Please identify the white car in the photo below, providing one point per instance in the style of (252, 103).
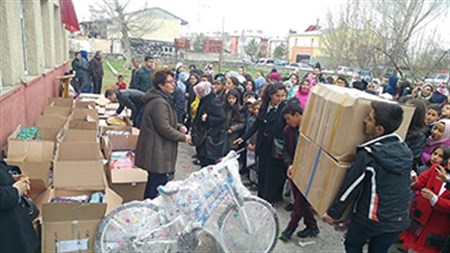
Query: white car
(437, 79)
(347, 71)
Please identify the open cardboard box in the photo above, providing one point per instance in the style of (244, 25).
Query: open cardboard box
(75, 135)
(50, 121)
(317, 175)
(79, 165)
(333, 119)
(85, 105)
(57, 101)
(57, 111)
(70, 227)
(85, 114)
(129, 183)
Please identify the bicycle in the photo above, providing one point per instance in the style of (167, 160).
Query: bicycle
(212, 200)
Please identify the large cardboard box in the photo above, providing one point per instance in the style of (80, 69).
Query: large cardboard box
(75, 135)
(79, 165)
(129, 183)
(50, 121)
(85, 114)
(57, 111)
(333, 119)
(71, 227)
(33, 157)
(317, 175)
(64, 102)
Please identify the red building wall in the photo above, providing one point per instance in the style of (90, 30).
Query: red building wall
(24, 103)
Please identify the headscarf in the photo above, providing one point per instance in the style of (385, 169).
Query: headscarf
(445, 136)
(203, 89)
(391, 88)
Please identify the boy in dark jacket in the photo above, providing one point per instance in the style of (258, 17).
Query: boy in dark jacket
(378, 182)
(302, 209)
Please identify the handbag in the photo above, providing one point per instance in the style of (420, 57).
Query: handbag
(198, 135)
(30, 207)
(277, 148)
(217, 146)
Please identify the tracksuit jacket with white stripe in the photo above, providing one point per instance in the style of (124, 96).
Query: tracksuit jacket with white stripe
(378, 185)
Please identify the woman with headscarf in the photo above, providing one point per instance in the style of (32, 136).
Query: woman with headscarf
(440, 135)
(292, 85)
(269, 126)
(303, 92)
(156, 149)
(391, 88)
(209, 126)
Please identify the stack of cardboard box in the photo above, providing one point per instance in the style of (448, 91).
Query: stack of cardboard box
(332, 127)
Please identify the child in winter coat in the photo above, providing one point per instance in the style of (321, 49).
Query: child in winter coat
(440, 135)
(120, 83)
(303, 92)
(430, 211)
(445, 111)
(438, 156)
(432, 116)
(235, 120)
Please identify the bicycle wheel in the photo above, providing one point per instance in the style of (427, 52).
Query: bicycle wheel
(252, 227)
(134, 227)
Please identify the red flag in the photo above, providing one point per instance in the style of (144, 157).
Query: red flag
(69, 16)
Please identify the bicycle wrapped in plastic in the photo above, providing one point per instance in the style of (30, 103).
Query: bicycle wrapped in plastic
(212, 200)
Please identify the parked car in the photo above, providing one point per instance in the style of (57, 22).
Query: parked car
(280, 63)
(343, 70)
(267, 62)
(436, 79)
(300, 65)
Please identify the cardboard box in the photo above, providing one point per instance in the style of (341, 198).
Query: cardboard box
(75, 135)
(334, 116)
(71, 227)
(33, 150)
(57, 111)
(129, 183)
(85, 105)
(89, 115)
(119, 142)
(79, 165)
(50, 121)
(57, 101)
(38, 173)
(317, 175)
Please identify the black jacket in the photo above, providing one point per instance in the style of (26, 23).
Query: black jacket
(268, 125)
(416, 141)
(96, 68)
(378, 181)
(130, 98)
(16, 230)
(141, 80)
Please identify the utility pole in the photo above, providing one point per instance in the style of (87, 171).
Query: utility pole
(221, 50)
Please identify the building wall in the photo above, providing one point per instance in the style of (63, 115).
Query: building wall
(33, 53)
(33, 39)
(309, 44)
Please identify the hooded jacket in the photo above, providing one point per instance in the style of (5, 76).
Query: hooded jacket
(378, 182)
(156, 149)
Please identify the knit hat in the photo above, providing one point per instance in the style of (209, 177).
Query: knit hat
(179, 65)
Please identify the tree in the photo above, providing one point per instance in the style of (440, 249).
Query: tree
(198, 42)
(280, 51)
(122, 22)
(252, 49)
(373, 33)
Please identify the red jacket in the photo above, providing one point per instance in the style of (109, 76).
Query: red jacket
(437, 218)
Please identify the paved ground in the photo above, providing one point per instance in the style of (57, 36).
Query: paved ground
(328, 240)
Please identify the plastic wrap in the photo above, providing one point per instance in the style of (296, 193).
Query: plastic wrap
(212, 199)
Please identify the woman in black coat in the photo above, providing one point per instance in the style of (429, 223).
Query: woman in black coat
(269, 125)
(16, 229)
(210, 121)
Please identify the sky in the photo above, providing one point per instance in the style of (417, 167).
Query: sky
(274, 18)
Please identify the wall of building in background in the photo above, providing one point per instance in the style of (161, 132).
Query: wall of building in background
(34, 52)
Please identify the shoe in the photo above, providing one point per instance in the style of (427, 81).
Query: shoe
(287, 234)
(289, 207)
(196, 162)
(308, 232)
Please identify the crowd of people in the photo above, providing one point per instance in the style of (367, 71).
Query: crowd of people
(262, 114)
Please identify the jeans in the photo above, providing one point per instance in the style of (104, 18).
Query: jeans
(358, 235)
(153, 181)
